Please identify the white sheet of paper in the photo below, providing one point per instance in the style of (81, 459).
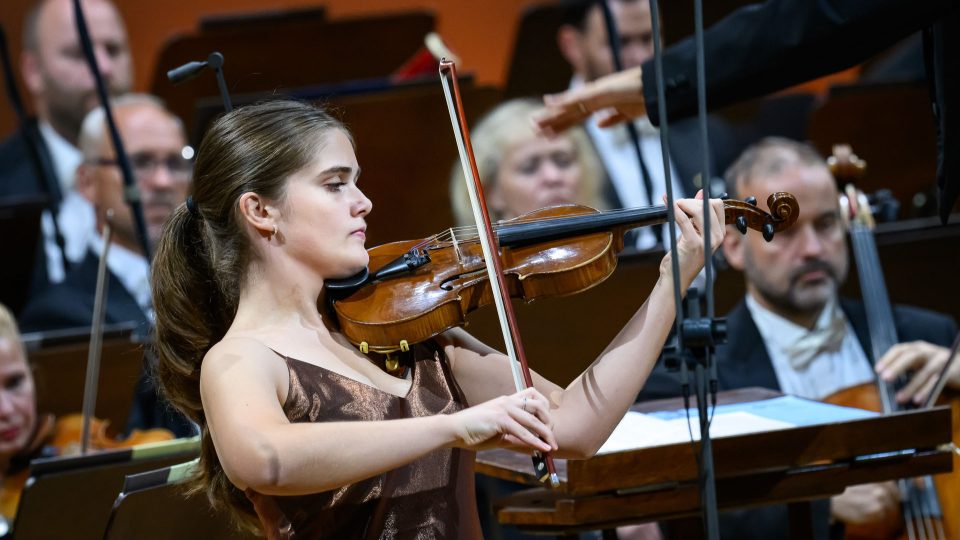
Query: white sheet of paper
(638, 430)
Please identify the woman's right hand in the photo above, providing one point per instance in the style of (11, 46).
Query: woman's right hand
(520, 421)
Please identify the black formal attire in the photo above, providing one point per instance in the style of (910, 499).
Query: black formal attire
(743, 362)
(762, 48)
(70, 305)
(19, 177)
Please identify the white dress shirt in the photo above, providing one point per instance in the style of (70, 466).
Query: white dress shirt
(76, 215)
(828, 372)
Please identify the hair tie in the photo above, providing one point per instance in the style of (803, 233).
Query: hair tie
(192, 207)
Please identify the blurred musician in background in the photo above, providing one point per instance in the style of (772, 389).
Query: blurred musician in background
(22, 433)
(792, 332)
(155, 141)
(583, 42)
(63, 92)
(522, 171)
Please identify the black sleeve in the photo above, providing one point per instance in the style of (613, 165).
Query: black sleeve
(759, 49)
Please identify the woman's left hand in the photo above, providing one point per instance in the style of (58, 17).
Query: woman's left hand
(690, 220)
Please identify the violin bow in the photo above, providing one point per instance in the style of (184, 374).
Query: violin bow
(542, 463)
(96, 339)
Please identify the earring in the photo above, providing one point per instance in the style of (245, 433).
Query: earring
(275, 231)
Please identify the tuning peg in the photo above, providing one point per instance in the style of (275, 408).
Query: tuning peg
(723, 196)
(767, 231)
(752, 201)
(741, 224)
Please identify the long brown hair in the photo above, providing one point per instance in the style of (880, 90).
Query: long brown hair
(204, 253)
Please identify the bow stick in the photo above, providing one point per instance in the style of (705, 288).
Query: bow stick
(542, 463)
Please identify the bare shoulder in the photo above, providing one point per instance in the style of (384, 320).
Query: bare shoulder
(241, 361)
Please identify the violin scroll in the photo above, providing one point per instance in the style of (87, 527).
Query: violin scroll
(784, 212)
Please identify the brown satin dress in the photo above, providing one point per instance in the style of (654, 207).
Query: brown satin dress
(430, 498)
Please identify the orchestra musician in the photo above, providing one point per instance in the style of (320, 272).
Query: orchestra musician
(582, 40)
(22, 433)
(793, 332)
(299, 427)
(155, 140)
(62, 91)
(522, 171)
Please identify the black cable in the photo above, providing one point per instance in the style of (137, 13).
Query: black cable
(613, 42)
(131, 190)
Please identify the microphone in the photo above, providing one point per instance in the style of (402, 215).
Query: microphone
(190, 70)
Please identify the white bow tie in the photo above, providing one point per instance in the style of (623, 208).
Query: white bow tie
(817, 341)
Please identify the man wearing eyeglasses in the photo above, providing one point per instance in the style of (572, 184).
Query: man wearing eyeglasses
(155, 142)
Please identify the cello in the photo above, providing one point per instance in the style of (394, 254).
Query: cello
(930, 506)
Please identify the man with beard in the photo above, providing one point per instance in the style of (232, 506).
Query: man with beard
(582, 39)
(793, 332)
(63, 91)
(155, 140)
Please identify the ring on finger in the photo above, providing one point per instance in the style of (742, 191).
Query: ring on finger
(524, 406)
(583, 108)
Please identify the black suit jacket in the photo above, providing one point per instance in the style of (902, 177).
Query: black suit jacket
(70, 305)
(743, 362)
(766, 47)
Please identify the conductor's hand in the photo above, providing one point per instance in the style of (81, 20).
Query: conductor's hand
(520, 422)
(866, 503)
(619, 95)
(925, 360)
(689, 216)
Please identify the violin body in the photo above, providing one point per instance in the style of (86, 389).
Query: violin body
(438, 296)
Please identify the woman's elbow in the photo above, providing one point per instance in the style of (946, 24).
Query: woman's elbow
(256, 467)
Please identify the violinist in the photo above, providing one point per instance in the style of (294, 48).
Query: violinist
(792, 332)
(155, 140)
(300, 429)
(523, 171)
(22, 433)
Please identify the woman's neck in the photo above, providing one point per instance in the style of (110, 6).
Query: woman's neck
(274, 295)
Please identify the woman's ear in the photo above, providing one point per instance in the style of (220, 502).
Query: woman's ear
(258, 214)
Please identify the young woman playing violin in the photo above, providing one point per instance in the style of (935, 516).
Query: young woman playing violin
(299, 427)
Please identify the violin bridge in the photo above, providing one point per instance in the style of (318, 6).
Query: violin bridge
(456, 245)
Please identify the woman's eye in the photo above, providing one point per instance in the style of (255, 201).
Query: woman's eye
(336, 186)
(563, 159)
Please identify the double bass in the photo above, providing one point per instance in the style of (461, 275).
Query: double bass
(930, 506)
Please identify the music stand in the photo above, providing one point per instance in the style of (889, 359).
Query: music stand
(71, 497)
(786, 466)
(59, 359)
(153, 506)
(20, 214)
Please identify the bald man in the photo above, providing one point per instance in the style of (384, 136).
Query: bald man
(62, 90)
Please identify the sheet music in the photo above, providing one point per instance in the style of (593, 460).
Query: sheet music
(638, 430)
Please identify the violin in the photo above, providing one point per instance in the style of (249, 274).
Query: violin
(417, 289)
(61, 437)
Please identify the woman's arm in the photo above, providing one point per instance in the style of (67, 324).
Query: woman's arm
(243, 385)
(585, 412)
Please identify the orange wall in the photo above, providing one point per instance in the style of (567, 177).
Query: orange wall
(480, 31)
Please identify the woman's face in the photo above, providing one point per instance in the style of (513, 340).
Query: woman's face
(322, 219)
(18, 406)
(536, 173)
